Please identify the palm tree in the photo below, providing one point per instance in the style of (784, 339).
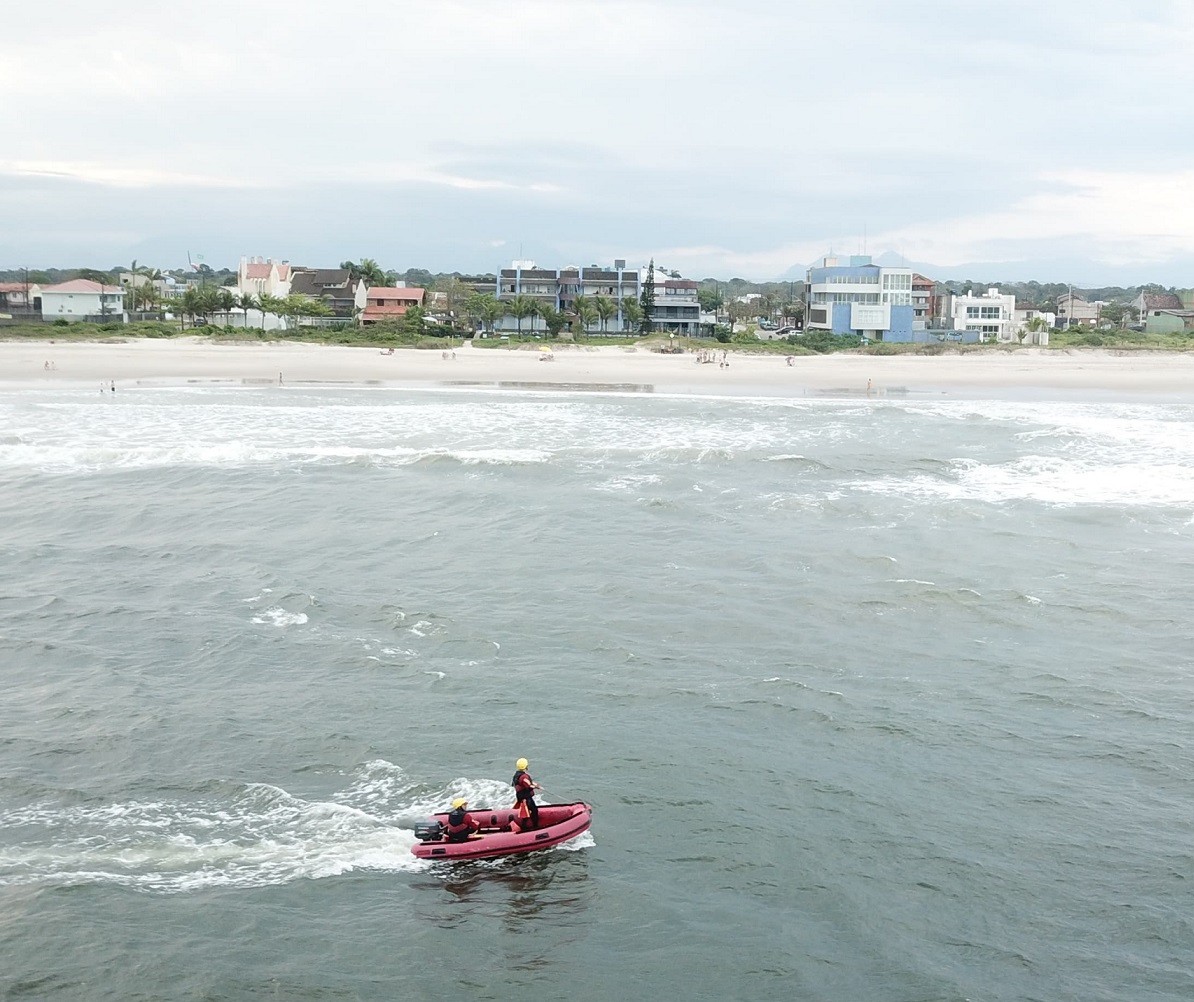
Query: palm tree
(371, 272)
(270, 304)
(605, 308)
(146, 298)
(586, 312)
(190, 305)
(521, 306)
(208, 300)
(368, 269)
(632, 313)
(247, 302)
(491, 310)
(553, 319)
(227, 301)
(133, 285)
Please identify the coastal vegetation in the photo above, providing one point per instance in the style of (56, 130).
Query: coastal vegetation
(414, 330)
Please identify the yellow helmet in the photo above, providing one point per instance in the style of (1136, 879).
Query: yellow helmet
(460, 802)
(522, 763)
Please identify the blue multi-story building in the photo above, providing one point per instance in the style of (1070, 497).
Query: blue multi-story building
(851, 295)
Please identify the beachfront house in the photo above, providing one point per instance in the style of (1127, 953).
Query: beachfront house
(19, 298)
(1032, 325)
(676, 308)
(389, 303)
(1160, 312)
(1147, 301)
(83, 299)
(343, 295)
(852, 295)
(1073, 309)
(991, 315)
(1163, 321)
(926, 304)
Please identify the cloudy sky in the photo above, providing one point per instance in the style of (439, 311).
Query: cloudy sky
(994, 140)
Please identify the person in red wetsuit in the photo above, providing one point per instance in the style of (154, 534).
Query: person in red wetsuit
(460, 826)
(524, 795)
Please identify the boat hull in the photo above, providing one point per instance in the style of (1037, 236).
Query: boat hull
(500, 834)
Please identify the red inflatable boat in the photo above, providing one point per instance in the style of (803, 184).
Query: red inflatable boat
(501, 834)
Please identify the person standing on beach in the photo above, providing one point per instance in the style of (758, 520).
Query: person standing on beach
(524, 794)
(114, 386)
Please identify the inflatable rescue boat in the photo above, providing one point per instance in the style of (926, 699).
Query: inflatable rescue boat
(501, 832)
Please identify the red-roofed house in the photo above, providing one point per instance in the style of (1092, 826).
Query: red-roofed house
(82, 299)
(1147, 301)
(17, 295)
(389, 304)
(256, 277)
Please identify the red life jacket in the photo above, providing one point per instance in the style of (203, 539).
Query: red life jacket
(459, 824)
(524, 787)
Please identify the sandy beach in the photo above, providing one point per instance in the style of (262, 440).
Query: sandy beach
(1029, 372)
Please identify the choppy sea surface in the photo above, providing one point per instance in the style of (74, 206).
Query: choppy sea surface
(874, 700)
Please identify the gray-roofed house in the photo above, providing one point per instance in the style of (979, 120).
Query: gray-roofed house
(334, 287)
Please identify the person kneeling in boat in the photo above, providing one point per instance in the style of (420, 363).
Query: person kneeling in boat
(460, 826)
(524, 796)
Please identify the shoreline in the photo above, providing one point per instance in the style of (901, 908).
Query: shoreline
(1027, 373)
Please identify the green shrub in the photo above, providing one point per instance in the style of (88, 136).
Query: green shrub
(824, 342)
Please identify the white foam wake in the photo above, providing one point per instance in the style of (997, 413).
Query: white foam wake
(262, 837)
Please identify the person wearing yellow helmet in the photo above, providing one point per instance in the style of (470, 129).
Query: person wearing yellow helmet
(524, 795)
(460, 826)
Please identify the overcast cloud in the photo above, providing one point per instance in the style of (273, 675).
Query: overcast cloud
(1004, 140)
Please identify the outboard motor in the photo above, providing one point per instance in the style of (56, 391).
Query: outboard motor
(429, 831)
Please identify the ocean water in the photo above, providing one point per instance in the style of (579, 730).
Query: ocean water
(882, 700)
